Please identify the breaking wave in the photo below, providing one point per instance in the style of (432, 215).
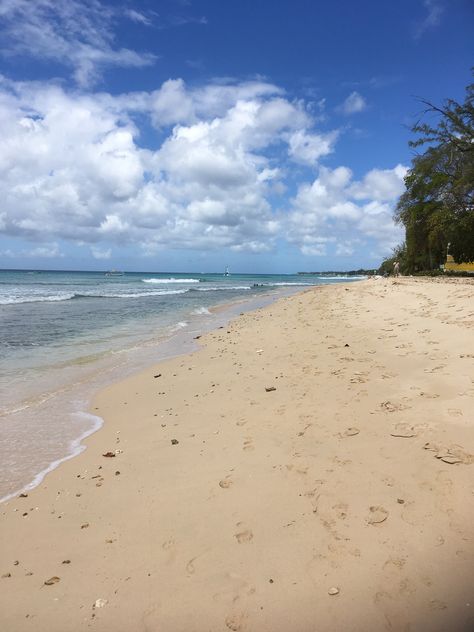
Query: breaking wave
(170, 280)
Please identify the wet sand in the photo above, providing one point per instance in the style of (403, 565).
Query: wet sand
(311, 467)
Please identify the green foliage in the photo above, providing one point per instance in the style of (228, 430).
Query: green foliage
(437, 207)
(398, 254)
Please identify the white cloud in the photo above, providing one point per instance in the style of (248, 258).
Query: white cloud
(46, 251)
(354, 103)
(346, 248)
(309, 148)
(74, 33)
(334, 208)
(434, 11)
(175, 103)
(50, 251)
(171, 104)
(99, 253)
(139, 17)
(378, 184)
(72, 168)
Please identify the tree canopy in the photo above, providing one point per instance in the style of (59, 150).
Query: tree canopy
(437, 207)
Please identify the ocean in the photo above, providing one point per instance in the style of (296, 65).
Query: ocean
(64, 335)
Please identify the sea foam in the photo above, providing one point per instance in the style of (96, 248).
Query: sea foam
(170, 280)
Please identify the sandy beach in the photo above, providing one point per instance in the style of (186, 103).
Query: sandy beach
(310, 468)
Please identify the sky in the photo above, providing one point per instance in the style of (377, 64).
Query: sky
(191, 135)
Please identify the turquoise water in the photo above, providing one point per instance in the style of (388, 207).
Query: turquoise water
(63, 335)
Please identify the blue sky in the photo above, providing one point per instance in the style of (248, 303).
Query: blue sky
(189, 135)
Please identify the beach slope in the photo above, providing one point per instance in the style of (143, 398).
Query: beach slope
(311, 467)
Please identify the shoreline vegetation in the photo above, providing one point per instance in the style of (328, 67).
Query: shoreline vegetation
(311, 462)
(437, 207)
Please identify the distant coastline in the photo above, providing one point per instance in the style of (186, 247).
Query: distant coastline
(360, 272)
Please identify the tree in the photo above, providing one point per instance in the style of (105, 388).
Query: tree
(399, 253)
(437, 207)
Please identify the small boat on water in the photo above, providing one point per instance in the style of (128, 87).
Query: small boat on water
(227, 273)
(114, 273)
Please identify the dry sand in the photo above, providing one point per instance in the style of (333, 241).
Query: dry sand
(232, 507)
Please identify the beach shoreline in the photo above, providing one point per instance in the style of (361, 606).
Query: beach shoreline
(311, 462)
(73, 399)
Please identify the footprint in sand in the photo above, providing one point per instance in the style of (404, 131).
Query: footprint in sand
(388, 376)
(428, 395)
(341, 510)
(377, 515)
(395, 562)
(248, 444)
(169, 547)
(359, 378)
(452, 455)
(233, 588)
(435, 369)
(403, 430)
(234, 622)
(190, 570)
(301, 433)
(349, 432)
(392, 407)
(225, 483)
(243, 536)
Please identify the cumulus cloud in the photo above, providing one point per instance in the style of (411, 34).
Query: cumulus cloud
(74, 33)
(336, 209)
(307, 149)
(354, 103)
(380, 184)
(72, 167)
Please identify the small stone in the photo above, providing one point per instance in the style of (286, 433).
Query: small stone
(117, 473)
(66, 562)
(157, 375)
(15, 563)
(109, 454)
(269, 389)
(174, 441)
(52, 580)
(5, 575)
(23, 495)
(85, 525)
(333, 590)
(400, 501)
(100, 603)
